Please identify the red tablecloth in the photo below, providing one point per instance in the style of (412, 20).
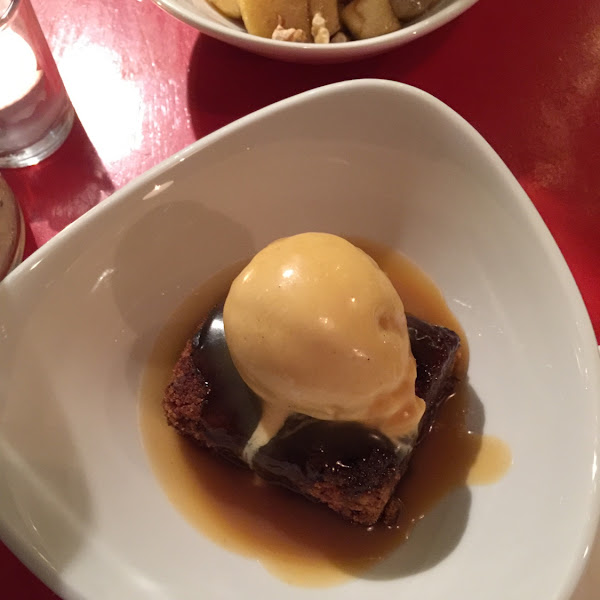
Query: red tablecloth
(144, 85)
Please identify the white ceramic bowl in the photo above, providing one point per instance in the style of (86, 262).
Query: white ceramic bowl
(80, 504)
(201, 15)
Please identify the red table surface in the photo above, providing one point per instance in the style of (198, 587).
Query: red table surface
(144, 85)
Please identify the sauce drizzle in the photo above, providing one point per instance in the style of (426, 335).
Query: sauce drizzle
(298, 541)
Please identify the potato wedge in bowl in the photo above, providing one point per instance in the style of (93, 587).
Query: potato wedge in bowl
(322, 21)
(223, 23)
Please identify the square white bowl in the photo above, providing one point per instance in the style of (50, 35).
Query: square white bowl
(80, 504)
(204, 17)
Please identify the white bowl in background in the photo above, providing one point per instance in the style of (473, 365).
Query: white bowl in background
(80, 505)
(204, 17)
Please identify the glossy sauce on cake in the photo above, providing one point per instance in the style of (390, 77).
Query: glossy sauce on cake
(301, 542)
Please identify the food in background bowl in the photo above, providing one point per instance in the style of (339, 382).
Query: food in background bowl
(322, 21)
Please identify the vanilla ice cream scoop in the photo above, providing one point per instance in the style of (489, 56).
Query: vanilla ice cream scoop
(314, 326)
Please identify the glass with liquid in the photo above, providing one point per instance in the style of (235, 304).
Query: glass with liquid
(12, 230)
(36, 114)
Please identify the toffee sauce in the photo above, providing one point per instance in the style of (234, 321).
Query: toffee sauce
(300, 542)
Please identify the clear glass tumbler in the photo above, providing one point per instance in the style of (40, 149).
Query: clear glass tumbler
(36, 114)
(12, 230)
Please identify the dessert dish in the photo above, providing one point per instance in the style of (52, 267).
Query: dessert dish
(310, 374)
(322, 21)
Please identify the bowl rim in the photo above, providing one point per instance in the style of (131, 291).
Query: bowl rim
(582, 323)
(412, 31)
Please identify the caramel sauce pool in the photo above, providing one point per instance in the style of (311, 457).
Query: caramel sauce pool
(298, 541)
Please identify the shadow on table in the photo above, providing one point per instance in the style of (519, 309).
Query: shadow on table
(62, 187)
(225, 83)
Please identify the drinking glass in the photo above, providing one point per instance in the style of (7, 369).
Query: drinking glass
(36, 114)
(12, 230)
